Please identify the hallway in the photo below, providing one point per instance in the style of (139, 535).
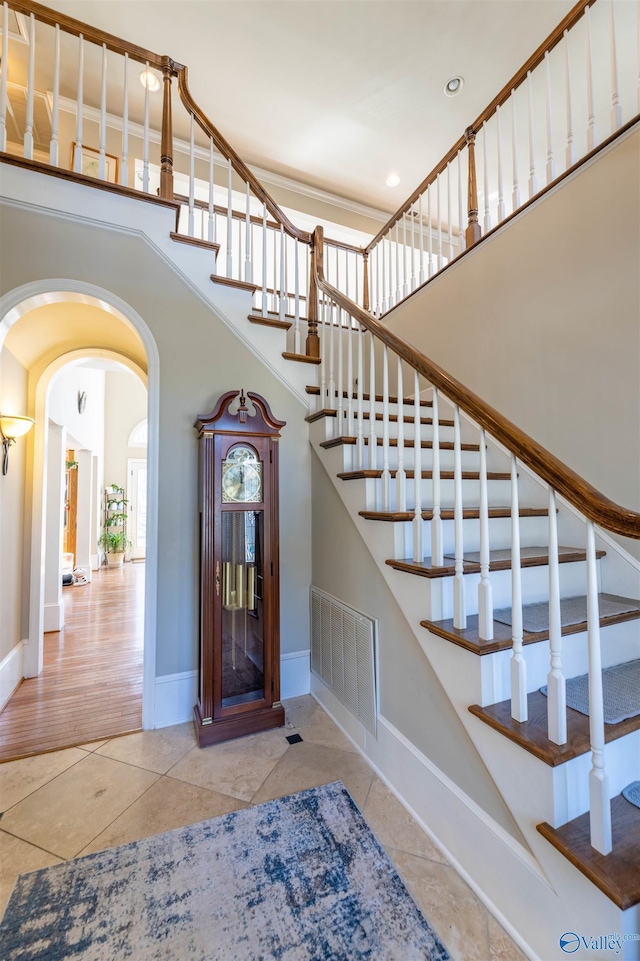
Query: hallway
(91, 685)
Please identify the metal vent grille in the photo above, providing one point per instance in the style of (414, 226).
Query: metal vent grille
(343, 655)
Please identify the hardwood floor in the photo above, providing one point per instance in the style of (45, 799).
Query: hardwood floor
(91, 685)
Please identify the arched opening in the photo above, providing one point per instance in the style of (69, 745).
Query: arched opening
(106, 319)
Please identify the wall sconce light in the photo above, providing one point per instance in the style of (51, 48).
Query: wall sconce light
(12, 426)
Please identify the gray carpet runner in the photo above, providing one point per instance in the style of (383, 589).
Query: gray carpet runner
(620, 691)
(573, 610)
(632, 793)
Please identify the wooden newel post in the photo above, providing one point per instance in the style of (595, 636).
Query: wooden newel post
(474, 232)
(312, 346)
(365, 280)
(166, 144)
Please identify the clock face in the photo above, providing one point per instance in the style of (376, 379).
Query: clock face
(241, 477)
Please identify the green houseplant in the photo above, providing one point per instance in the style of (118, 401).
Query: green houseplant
(113, 538)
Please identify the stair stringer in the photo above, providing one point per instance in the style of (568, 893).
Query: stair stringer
(559, 898)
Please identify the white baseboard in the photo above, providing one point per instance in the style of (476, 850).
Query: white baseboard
(11, 672)
(53, 619)
(176, 694)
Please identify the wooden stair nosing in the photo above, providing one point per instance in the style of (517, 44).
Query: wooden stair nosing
(301, 358)
(469, 513)
(615, 874)
(408, 401)
(407, 419)
(368, 474)
(472, 567)
(230, 282)
(319, 414)
(195, 241)
(469, 637)
(344, 441)
(269, 322)
(532, 734)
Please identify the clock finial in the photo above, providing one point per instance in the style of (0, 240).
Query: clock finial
(243, 410)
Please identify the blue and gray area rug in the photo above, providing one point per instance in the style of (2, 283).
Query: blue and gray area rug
(297, 879)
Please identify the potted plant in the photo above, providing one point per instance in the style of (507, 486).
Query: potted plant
(113, 540)
(114, 544)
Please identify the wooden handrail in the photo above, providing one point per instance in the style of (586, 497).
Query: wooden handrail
(238, 165)
(518, 78)
(575, 489)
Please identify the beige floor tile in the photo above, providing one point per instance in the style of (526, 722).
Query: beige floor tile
(18, 857)
(307, 765)
(19, 779)
(166, 805)
(68, 812)
(501, 947)
(92, 746)
(394, 827)
(449, 905)
(153, 750)
(237, 767)
(320, 729)
(299, 711)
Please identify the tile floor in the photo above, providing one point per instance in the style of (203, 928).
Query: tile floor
(94, 796)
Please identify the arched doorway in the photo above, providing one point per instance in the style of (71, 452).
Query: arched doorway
(13, 306)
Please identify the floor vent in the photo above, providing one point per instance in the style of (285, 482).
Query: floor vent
(343, 646)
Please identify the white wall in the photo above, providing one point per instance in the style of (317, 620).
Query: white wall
(86, 429)
(125, 407)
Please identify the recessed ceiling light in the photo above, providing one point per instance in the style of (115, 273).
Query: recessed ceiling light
(148, 79)
(453, 86)
(392, 180)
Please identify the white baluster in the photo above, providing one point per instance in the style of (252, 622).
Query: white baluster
(485, 594)
(211, 223)
(405, 275)
(386, 474)
(429, 231)
(192, 176)
(145, 144)
(339, 386)
(124, 166)
(331, 383)
(413, 244)
(275, 305)
(384, 277)
(296, 300)
(487, 209)
(450, 225)
(551, 164)
(501, 209)
(373, 440)
(239, 260)
(28, 132)
(398, 287)
(248, 274)
(265, 240)
(391, 300)
(514, 149)
(322, 332)
(77, 151)
(592, 132)
(349, 431)
(519, 706)
(571, 150)
(599, 803)
(360, 408)
(3, 76)
(459, 605)
(401, 474)
(378, 310)
(616, 109)
(102, 159)
(418, 548)
(422, 274)
(55, 109)
(283, 287)
(533, 182)
(461, 237)
(230, 220)
(556, 684)
(437, 547)
(440, 260)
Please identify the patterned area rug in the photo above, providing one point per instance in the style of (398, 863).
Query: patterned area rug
(632, 793)
(620, 692)
(297, 879)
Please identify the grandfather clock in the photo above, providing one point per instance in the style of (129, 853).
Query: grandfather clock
(239, 674)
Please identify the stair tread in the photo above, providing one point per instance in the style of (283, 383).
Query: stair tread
(426, 474)
(408, 401)
(301, 358)
(532, 734)
(393, 442)
(269, 321)
(498, 561)
(616, 874)
(230, 282)
(470, 639)
(469, 513)
(393, 418)
(195, 241)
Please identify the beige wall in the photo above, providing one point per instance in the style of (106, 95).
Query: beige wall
(85, 430)
(543, 322)
(13, 400)
(199, 359)
(125, 407)
(411, 696)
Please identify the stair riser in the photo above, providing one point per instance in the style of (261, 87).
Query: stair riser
(622, 643)
(533, 530)
(469, 459)
(499, 492)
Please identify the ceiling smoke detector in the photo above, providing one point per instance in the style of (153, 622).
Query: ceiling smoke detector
(453, 86)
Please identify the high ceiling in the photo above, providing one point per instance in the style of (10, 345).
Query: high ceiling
(337, 93)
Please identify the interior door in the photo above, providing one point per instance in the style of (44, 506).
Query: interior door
(137, 507)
